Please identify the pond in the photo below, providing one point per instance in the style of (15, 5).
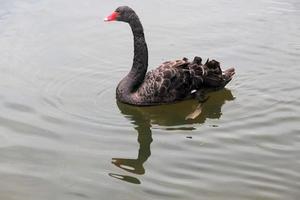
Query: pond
(64, 136)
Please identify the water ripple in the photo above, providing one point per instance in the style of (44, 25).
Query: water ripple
(64, 136)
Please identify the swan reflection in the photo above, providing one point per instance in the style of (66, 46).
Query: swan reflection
(169, 117)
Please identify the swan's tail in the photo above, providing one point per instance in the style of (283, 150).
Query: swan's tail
(214, 77)
(228, 74)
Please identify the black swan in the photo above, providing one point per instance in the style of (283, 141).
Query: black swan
(172, 81)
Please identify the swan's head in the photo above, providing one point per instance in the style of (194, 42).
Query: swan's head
(122, 13)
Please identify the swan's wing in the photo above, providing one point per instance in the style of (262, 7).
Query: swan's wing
(176, 80)
(169, 82)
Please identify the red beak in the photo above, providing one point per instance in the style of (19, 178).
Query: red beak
(112, 17)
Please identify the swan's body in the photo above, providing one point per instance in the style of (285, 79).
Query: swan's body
(170, 82)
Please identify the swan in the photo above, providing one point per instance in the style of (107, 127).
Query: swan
(172, 81)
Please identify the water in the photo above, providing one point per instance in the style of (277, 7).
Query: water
(64, 136)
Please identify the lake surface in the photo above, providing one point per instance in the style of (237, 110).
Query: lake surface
(64, 136)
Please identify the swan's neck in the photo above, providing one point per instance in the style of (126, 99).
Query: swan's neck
(140, 59)
(135, 77)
